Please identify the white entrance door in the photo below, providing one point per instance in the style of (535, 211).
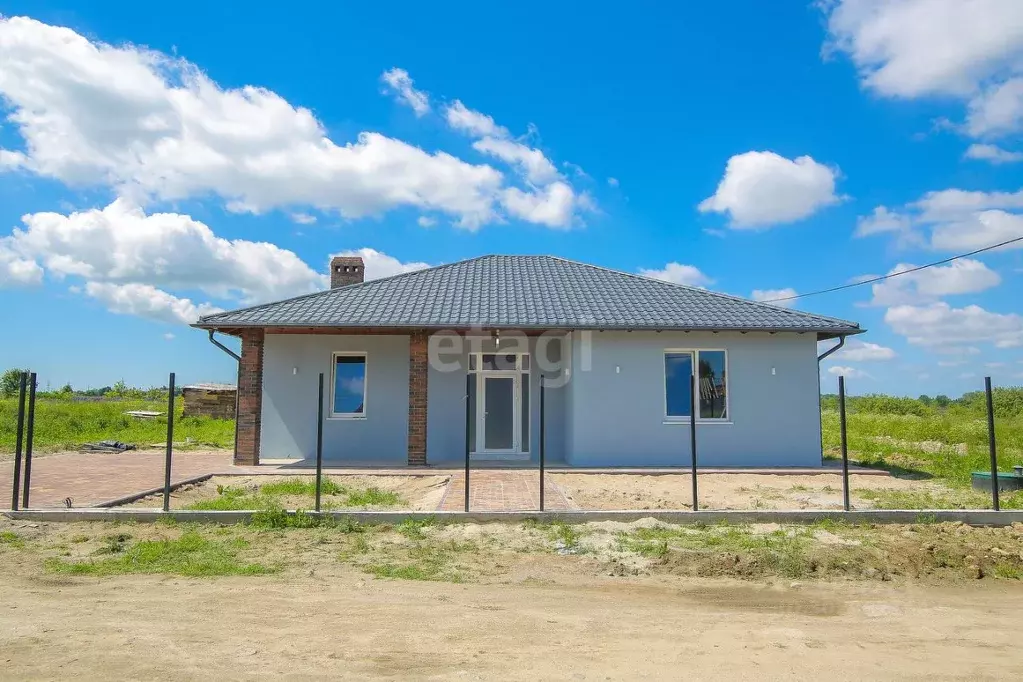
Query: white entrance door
(498, 415)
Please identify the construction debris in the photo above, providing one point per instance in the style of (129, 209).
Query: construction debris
(143, 414)
(106, 446)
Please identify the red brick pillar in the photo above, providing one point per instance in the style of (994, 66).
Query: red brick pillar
(418, 370)
(250, 398)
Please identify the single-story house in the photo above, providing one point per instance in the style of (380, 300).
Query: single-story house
(407, 358)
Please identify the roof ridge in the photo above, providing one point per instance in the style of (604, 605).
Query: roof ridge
(710, 292)
(348, 287)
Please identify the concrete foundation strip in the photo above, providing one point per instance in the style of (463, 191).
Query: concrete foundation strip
(128, 499)
(979, 517)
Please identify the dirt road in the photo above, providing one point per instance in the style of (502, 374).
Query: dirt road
(349, 626)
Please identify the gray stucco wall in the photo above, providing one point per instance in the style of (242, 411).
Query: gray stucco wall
(616, 408)
(610, 412)
(445, 420)
(289, 400)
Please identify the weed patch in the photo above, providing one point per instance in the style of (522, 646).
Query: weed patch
(191, 555)
(9, 538)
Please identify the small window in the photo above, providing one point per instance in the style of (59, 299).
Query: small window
(349, 398)
(712, 391)
(713, 387)
(499, 362)
(678, 372)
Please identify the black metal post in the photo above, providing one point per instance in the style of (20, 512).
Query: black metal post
(319, 441)
(543, 437)
(845, 445)
(30, 427)
(170, 444)
(18, 441)
(991, 442)
(468, 383)
(693, 384)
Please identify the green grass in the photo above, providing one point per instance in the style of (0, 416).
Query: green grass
(192, 555)
(66, 424)
(563, 535)
(413, 528)
(893, 442)
(11, 539)
(268, 496)
(791, 552)
(424, 560)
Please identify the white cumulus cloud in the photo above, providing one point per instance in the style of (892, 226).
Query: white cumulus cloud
(772, 296)
(761, 189)
(380, 264)
(965, 276)
(134, 262)
(155, 127)
(678, 273)
(970, 49)
(992, 154)
(848, 372)
(400, 83)
(864, 351)
(122, 244)
(939, 325)
(980, 230)
(143, 300)
(549, 198)
(880, 221)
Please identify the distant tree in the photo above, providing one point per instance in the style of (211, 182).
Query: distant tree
(10, 382)
(66, 388)
(942, 400)
(925, 400)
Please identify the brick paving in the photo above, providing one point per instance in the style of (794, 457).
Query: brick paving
(91, 478)
(502, 490)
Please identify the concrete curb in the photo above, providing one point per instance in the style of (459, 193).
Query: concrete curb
(979, 517)
(128, 499)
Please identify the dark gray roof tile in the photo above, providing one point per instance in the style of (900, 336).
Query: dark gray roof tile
(526, 292)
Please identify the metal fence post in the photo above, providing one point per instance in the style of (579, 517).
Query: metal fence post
(30, 427)
(543, 437)
(18, 441)
(468, 380)
(845, 445)
(692, 433)
(170, 444)
(319, 441)
(991, 442)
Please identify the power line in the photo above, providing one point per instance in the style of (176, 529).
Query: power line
(896, 274)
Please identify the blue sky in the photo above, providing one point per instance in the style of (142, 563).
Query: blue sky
(158, 161)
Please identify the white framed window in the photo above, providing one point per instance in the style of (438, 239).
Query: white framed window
(499, 362)
(710, 366)
(348, 386)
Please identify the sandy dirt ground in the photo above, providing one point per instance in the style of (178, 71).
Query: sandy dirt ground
(422, 493)
(725, 491)
(346, 626)
(529, 613)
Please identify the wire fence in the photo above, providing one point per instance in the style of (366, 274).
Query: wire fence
(661, 490)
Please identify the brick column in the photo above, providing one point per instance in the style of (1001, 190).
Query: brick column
(250, 398)
(418, 370)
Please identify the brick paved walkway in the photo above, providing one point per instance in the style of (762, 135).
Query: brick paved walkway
(502, 490)
(89, 479)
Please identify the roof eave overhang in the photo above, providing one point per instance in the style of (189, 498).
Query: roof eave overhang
(822, 332)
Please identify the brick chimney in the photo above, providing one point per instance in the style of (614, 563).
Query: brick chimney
(345, 270)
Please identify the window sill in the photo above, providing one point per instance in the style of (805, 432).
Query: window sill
(346, 417)
(699, 422)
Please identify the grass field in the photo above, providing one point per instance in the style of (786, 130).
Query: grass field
(915, 439)
(66, 425)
